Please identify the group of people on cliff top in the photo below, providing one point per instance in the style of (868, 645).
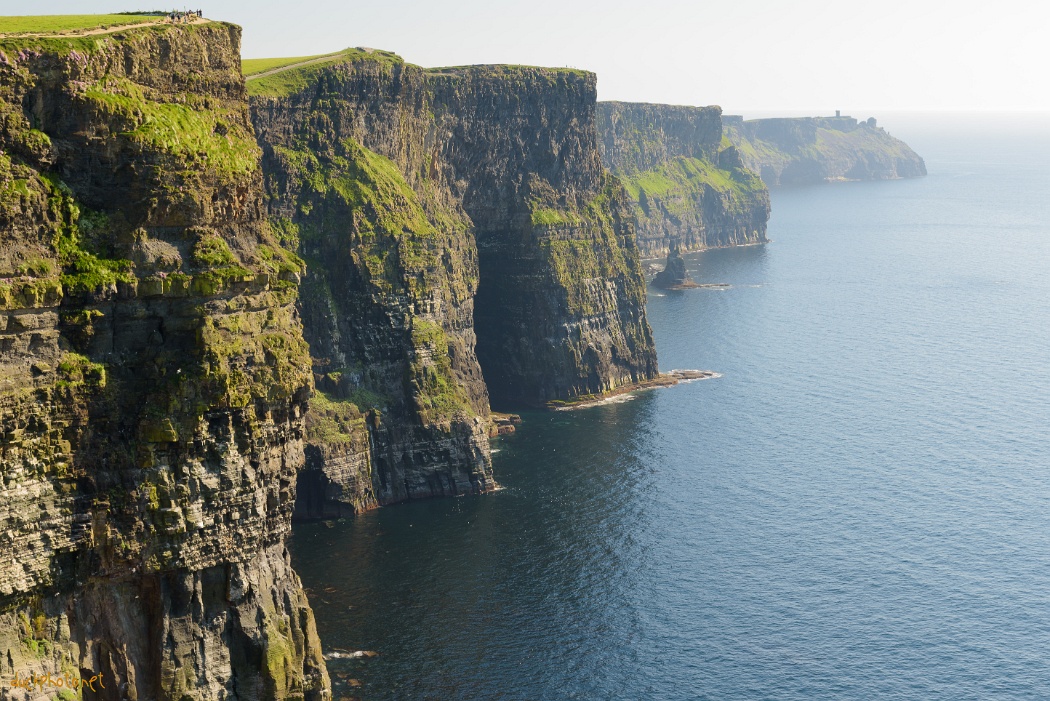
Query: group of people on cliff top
(176, 17)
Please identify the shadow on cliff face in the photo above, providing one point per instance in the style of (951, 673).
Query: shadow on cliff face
(441, 212)
(560, 307)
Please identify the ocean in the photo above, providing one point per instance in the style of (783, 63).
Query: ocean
(858, 508)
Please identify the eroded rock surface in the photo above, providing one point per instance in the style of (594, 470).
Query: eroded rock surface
(153, 377)
(463, 241)
(674, 276)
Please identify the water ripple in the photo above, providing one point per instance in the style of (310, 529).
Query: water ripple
(859, 508)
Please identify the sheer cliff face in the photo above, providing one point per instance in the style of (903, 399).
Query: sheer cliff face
(807, 150)
(637, 136)
(687, 182)
(439, 212)
(560, 309)
(388, 301)
(153, 376)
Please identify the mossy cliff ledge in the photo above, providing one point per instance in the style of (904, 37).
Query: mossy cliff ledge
(809, 150)
(687, 183)
(388, 298)
(462, 239)
(153, 376)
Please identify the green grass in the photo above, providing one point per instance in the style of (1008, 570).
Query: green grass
(82, 270)
(252, 66)
(546, 216)
(295, 80)
(683, 176)
(76, 369)
(212, 252)
(45, 24)
(333, 421)
(189, 131)
(437, 394)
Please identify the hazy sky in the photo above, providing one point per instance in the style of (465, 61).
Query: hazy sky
(751, 56)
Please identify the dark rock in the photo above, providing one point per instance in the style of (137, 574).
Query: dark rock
(486, 253)
(674, 275)
(153, 387)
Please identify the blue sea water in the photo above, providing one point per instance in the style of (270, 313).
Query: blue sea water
(859, 508)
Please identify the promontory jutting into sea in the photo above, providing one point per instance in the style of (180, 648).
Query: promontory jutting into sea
(242, 298)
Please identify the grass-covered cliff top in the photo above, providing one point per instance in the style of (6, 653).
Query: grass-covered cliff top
(280, 77)
(54, 24)
(503, 69)
(94, 34)
(255, 66)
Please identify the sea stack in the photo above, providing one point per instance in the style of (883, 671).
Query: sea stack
(673, 276)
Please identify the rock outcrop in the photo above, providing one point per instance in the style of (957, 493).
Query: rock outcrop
(687, 182)
(807, 150)
(153, 377)
(674, 276)
(462, 241)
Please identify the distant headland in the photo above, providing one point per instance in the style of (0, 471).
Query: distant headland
(805, 150)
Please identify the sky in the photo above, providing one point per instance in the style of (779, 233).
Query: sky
(755, 57)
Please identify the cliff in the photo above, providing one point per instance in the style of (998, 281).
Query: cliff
(560, 308)
(153, 377)
(157, 415)
(388, 298)
(462, 242)
(686, 181)
(806, 150)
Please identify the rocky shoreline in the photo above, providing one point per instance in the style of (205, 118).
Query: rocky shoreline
(627, 392)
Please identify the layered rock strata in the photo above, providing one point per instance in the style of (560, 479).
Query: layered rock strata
(808, 150)
(153, 377)
(687, 182)
(462, 240)
(388, 299)
(560, 308)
